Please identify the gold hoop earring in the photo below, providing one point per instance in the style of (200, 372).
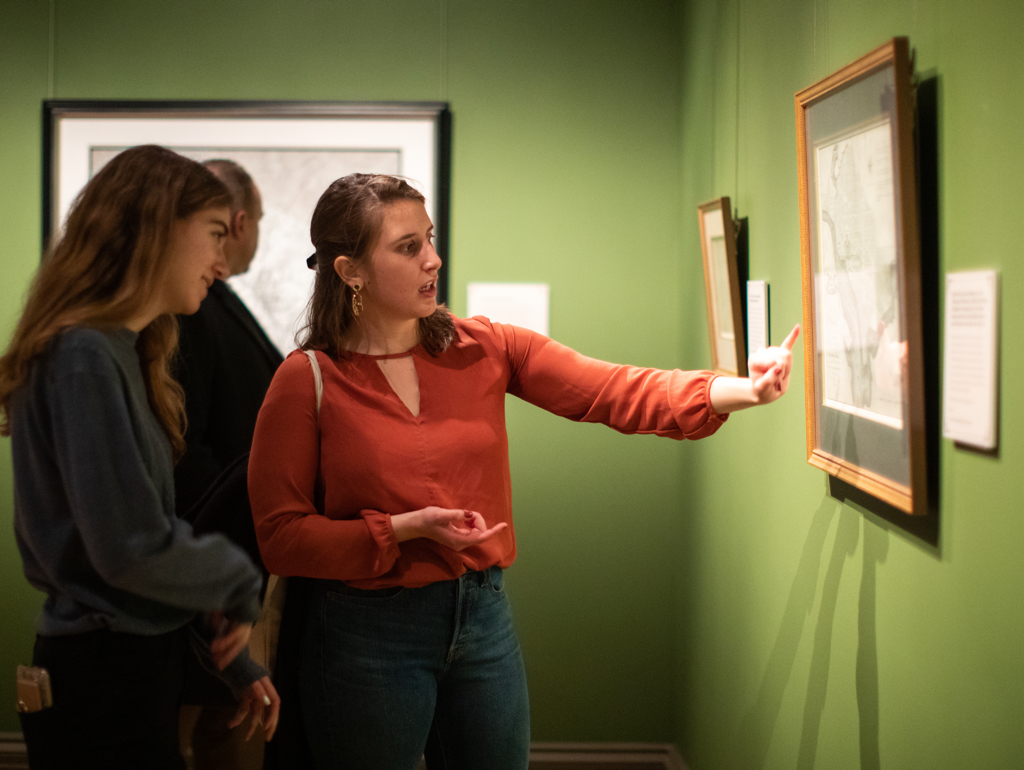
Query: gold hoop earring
(357, 301)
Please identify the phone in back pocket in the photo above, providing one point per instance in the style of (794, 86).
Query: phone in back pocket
(34, 693)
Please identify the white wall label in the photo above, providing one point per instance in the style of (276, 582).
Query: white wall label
(758, 329)
(518, 304)
(970, 358)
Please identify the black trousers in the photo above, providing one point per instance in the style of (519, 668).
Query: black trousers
(115, 702)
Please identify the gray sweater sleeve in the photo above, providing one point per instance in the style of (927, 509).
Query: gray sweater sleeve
(133, 542)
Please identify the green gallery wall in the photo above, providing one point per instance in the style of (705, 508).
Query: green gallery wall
(812, 633)
(712, 594)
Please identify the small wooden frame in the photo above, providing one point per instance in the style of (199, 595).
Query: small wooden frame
(864, 362)
(722, 281)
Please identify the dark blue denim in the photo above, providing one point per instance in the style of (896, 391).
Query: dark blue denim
(387, 675)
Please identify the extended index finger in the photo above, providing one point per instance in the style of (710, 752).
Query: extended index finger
(791, 339)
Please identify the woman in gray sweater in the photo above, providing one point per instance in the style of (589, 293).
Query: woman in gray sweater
(96, 422)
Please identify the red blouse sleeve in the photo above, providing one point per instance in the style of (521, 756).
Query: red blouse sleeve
(675, 404)
(294, 538)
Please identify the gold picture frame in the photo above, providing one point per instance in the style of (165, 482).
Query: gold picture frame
(860, 256)
(722, 283)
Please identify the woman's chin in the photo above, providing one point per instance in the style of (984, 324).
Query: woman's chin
(190, 307)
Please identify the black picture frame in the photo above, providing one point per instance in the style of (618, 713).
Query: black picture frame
(410, 139)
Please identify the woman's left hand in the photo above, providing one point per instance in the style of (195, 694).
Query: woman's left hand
(261, 702)
(455, 528)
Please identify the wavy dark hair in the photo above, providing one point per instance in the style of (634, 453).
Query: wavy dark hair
(107, 266)
(347, 221)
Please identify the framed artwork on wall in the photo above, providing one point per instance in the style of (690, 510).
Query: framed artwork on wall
(860, 257)
(722, 281)
(293, 151)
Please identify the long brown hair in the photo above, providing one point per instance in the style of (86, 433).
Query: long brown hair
(107, 266)
(347, 221)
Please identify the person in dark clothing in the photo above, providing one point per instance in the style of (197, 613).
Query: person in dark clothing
(95, 421)
(226, 360)
(225, 365)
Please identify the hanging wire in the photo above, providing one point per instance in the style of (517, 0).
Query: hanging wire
(443, 45)
(736, 158)
(814, 39)
(50, 75)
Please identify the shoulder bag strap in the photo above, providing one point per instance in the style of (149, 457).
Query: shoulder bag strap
(318, 379)
(263, 639)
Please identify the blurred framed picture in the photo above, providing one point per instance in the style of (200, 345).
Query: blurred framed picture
(292, 150)
(862, 278)
(722, 280)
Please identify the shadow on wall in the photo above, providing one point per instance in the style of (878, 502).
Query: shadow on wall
(876, 548)
(858, 511)
(758, 725)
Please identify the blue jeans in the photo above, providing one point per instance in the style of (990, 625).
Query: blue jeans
(387, 675)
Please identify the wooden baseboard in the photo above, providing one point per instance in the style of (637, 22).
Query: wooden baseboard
(12, 752)
(543, 756)
(605, 756)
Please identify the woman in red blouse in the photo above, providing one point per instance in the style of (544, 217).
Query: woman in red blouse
(394, 494)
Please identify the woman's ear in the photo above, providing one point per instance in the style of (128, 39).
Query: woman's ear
(347, 270)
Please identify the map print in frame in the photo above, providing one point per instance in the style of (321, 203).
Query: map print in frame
(293, 150)
(276, 288)
(861, 332)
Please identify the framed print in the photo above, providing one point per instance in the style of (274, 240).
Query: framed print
(722, 281)
(292, 150)
(862, 278)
